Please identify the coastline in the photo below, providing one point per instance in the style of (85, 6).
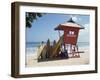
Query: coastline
(31, 59)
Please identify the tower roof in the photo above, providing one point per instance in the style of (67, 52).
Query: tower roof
(69, 23)
(71, 20)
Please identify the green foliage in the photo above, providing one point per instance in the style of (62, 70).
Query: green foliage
(30, 17)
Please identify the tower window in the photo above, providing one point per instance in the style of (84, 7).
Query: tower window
(71, 33)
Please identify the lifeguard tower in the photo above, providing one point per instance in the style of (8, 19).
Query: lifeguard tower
(68, 40)
(70, 36)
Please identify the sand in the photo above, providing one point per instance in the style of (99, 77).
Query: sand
(31, 60)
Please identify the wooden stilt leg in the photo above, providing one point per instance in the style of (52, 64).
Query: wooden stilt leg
(71, 50)
(77, 51)
(74, 51)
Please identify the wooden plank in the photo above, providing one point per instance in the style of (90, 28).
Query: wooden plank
(77, 52)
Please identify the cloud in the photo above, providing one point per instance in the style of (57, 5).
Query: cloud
(86, 30)
(75, 18)
(86, 25)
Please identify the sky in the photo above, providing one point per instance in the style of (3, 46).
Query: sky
(43, 28)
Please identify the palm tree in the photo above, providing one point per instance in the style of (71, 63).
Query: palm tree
(30, 17)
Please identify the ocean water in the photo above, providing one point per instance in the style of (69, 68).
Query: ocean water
(83, 44)
(31, 47)
(32, 44)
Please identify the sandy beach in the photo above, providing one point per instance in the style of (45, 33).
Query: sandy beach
(31, 60)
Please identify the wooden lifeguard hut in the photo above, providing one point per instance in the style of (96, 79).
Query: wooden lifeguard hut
(68, 41)
(70, 36)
